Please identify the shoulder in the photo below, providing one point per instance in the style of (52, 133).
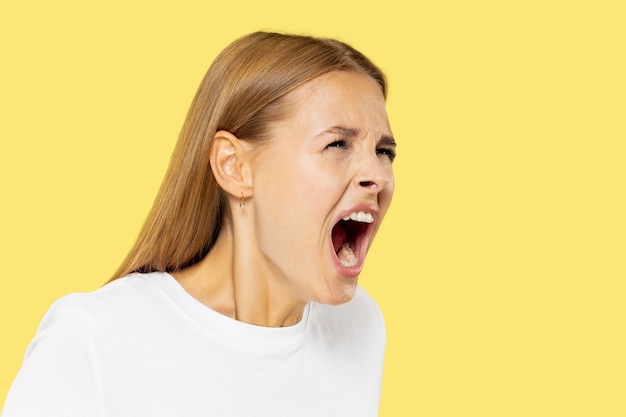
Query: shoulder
(132, 286)
(64, 358)
(116, 301)
(349, 340)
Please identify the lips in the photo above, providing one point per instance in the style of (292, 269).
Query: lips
(350, 239)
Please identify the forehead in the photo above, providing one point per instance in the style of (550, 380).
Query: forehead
(339, 98)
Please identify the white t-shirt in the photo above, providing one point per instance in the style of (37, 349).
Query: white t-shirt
(141, 346)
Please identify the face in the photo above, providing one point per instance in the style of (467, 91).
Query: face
(322, 184)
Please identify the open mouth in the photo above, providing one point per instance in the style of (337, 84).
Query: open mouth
(350, 236)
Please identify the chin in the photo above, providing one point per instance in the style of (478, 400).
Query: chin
(339, 293)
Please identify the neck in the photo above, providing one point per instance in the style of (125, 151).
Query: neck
(234, 281)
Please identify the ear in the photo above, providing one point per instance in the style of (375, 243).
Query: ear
(229, 162)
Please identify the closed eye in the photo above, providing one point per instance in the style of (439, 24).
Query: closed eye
(336, 144)
(388, 152)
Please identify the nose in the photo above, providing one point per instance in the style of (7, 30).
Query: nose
(374, 175)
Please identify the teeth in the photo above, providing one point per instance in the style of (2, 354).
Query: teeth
(360, 216)
(346, 256)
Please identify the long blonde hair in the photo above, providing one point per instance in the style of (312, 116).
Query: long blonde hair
(240, 93)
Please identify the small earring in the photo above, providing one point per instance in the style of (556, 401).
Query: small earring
(242, 201)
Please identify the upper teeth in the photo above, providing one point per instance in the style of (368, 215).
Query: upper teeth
(360, 216)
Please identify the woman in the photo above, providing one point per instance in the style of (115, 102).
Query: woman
(240, 297)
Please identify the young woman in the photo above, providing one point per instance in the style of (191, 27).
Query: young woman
(240, 297)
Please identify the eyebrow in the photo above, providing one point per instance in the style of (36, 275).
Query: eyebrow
(348, 132)
(345, 132)
(387, 141)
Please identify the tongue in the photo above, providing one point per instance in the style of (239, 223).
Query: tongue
(338, 236)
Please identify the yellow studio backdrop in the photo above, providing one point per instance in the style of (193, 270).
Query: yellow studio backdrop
(501, 266)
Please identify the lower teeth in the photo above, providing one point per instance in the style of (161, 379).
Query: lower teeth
(346, 256)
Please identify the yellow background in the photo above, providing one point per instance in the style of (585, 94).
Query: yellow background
(500, 268)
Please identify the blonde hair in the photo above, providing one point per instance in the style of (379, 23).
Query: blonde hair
(241, 93)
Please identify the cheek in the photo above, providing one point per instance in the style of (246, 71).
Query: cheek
(288, 205)
(284, 185)
(294, 232)
(386, 196)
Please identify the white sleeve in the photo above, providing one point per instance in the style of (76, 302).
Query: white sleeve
(59, 376)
